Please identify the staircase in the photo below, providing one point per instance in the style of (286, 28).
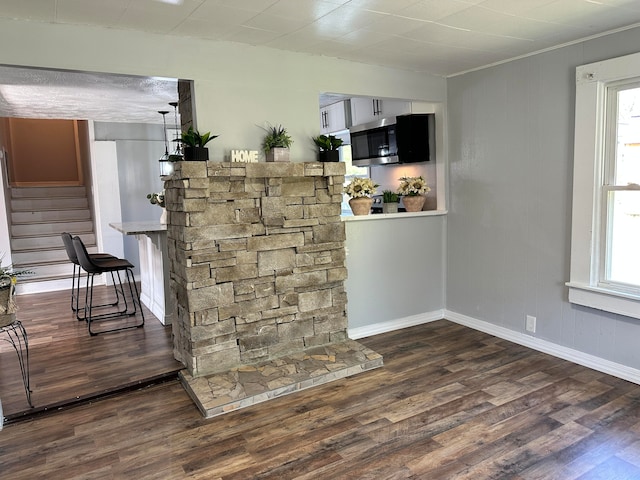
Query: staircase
(38, 216)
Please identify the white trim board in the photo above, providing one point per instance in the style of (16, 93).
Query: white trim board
(26, 287)
(566, 353)
(396, 324)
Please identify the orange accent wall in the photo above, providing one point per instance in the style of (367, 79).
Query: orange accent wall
(43, 152)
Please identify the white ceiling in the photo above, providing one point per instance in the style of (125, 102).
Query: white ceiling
(37, 93)
(442, 37)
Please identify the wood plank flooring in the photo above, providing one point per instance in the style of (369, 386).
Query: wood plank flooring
(450, 403)
(68, 365)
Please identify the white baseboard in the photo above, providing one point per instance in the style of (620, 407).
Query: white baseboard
(397, 324)
(559, 351)
(26, 287)
(566, 353)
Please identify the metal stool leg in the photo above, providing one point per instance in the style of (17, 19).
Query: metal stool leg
(117, 293)
(20, 342)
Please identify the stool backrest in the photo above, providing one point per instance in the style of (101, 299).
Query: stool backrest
(68, 246)
(83, 257)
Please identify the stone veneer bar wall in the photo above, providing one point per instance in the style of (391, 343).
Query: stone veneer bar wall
(257, 261)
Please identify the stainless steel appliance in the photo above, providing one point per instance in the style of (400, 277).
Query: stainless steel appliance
(401, 139)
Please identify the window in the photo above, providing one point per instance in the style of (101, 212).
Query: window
(620, 188)
(352, 171)
(605, 241)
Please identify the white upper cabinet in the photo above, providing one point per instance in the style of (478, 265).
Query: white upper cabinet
(333, 118)
(365, 110)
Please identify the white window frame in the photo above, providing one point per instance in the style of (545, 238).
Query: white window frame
(585, 287)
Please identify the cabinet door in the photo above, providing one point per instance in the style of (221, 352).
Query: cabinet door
(324, 120)
(362, 110)
(365, 110)
(391, 108)
(332, 118)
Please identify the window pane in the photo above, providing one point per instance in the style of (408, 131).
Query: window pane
(623, 245)
(627, 168)
(352, 172)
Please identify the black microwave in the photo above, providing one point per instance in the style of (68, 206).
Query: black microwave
(401, 139)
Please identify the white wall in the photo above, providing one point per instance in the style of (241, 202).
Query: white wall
(138, 148)
(237, 89)
(511, 162)
(396, 270)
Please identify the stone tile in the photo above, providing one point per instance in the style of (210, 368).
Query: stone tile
(248, 385)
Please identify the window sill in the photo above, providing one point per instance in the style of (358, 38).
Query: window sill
(603, 299)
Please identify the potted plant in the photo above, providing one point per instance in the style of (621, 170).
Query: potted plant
(328, 145)
(276, 143)
(158, 199)
(360, 190)
(194, 144)
(8, 280)
(413, 190)
(390, 201)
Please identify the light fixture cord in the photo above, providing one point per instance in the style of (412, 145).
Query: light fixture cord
(164, 123)
(175, 120)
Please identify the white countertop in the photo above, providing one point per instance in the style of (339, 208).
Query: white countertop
(137, 228)
(393, 216)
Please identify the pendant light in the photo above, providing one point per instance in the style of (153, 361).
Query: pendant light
(166, 167)
(177, 154)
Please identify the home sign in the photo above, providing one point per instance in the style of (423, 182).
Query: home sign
(245, 156)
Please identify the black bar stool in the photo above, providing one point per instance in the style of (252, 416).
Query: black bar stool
(67, 240)
(114, 265)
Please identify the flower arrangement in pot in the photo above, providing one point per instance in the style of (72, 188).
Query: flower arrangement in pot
(390, 201)
(194, 144)
(276, 143)
(8, 279)
(158, 199)
(328, 145)
(413, 190)
(360, 190)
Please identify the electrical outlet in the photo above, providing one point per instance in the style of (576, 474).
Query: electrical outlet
(531, 324)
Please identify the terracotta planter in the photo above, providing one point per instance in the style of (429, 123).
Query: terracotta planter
(414, 203)
(361, 205)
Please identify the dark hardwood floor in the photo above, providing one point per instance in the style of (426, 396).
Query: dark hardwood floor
(68, 365)
(449, 403)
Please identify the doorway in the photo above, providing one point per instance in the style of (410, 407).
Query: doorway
(59, 344)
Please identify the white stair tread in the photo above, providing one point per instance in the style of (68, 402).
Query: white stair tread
(39, 215)
(46, 192)
(30, 204)
(48, 241)
(50, 228)
(50, 215)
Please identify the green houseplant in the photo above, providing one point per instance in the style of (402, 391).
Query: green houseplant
(158, 198)
(194, 144)
(276, 143)
(328, 147)
(390, 201)
(8, 279)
